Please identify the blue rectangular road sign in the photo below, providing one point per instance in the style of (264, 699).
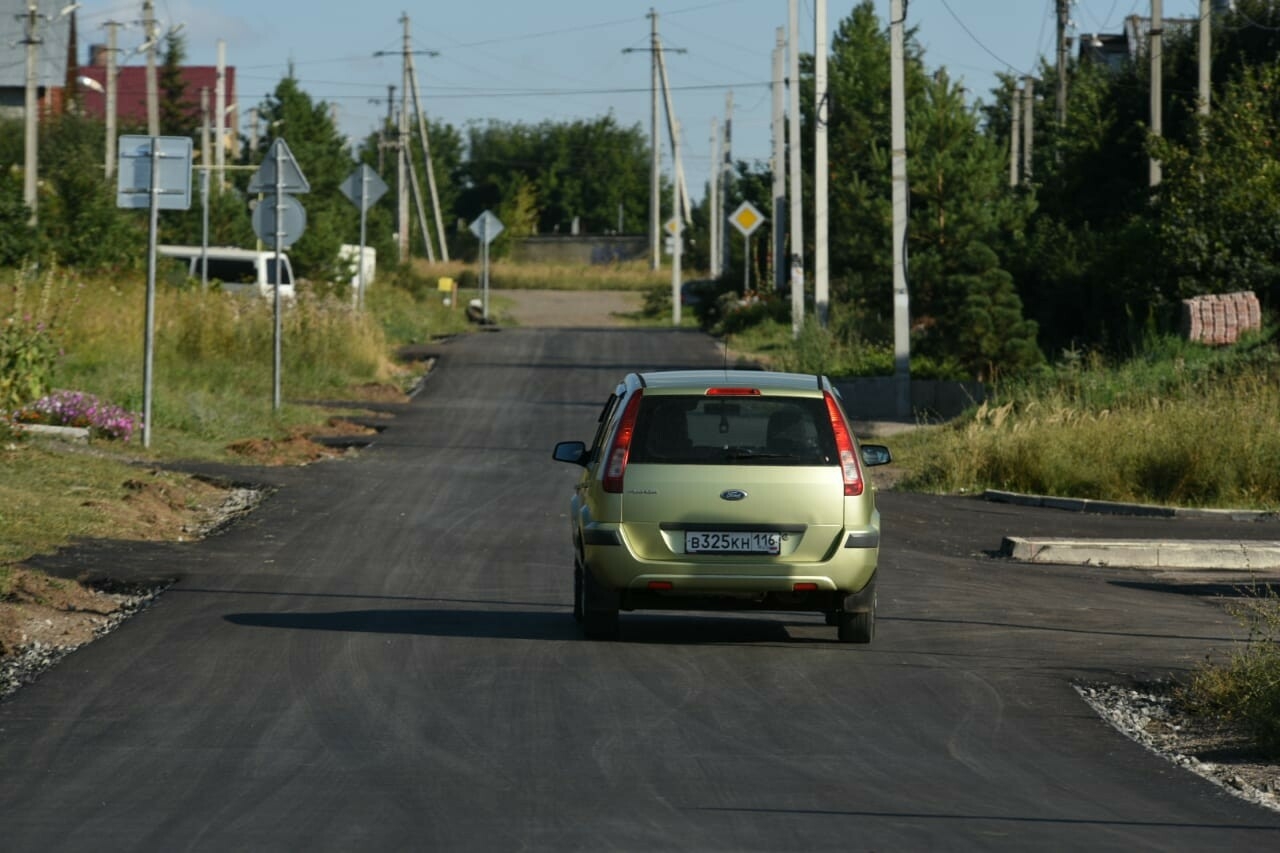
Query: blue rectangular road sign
(172, 155)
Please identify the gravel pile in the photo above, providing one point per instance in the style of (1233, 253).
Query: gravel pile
(1153, 717)
(239, 501)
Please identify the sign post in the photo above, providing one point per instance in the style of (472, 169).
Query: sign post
(675, 228)
(279, 174)
(746, 219)
(154, 172)
(487, 227)
(363, 187)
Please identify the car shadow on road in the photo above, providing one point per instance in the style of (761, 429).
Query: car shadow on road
(498, 624)
(521, 625)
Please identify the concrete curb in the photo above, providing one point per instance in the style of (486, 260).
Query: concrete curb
(1118, 508)
(75, 435)
(1210, 555)
(1206, 555)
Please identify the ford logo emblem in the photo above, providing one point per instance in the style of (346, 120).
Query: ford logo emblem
(733, 494)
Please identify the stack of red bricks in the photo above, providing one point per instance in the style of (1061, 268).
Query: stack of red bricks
(1220, 318)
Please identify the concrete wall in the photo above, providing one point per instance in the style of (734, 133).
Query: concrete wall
(583, 249)
(875, 398)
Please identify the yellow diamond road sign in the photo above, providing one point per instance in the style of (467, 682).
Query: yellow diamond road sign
(746, 218)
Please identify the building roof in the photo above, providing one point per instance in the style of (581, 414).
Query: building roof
(131, 91)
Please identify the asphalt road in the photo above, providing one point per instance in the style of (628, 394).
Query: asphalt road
(383, 657)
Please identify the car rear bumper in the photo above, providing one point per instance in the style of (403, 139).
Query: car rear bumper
(843, 570)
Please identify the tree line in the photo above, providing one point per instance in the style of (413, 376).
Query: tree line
(1085, 255)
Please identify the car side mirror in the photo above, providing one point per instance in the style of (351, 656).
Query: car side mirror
(573, 452)
(875, 454)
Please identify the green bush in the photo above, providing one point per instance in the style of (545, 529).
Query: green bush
(1246, 688)
(28, 336)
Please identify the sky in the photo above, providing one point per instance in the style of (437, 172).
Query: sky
(563, 60)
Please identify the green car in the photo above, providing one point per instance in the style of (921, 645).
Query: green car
(724, 489)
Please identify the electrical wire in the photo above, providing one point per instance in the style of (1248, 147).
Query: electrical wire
(977, 40)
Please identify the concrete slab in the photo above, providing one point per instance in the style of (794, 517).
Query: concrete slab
(1206, 555)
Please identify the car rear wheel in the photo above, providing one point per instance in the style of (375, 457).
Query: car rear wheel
(856, 627)
(857, 623)
(599, 609)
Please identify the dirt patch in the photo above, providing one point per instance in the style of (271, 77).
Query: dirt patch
(297, 448)
(378, 392)
(160, 506)
(35, 608)
(341, 427)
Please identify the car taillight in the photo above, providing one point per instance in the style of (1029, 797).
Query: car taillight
(616, 460)
(849, 466)
(733, 392)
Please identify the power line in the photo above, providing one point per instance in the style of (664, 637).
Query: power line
(486, 92)
(977, 40)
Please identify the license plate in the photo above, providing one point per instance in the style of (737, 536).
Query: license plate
(726, 542)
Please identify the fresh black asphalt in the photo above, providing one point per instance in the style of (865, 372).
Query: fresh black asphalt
(382, 657)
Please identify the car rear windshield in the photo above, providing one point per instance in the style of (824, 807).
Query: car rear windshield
(763, 430)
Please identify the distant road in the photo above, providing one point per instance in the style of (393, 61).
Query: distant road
(570, 308)
(382, 657)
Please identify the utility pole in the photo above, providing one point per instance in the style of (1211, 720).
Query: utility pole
(779, 217)
(898, 144)
(726, 179)
(713, 201)
(253, 128)
(31, 118)
(1154, 171)
(1015, 134)
(383, 142)
(1064, 18)
(206, 152)
(820, 174)
(655, 213)
(402, 151)
(220, 115)
(677, 211)
(655, 145)
(1205, 57)
(795, 220)
(431, 172)
(1028, 125)
(153, 89)
(110, 164)
(416, 190)
(673, 130)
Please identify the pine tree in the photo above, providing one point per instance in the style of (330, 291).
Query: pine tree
(179, 114)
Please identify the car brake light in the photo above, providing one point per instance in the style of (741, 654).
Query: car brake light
(733, 392)
(616, 459)
(849, 467)
(805, 586)
(660, 586)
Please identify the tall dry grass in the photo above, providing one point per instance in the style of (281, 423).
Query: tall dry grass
(1216, 445)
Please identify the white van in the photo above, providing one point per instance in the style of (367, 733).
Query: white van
(238, 270)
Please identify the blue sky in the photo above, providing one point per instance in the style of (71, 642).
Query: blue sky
(516, 60)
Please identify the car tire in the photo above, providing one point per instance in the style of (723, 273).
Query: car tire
(856, 627)
(599, 609)
(857, 623)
